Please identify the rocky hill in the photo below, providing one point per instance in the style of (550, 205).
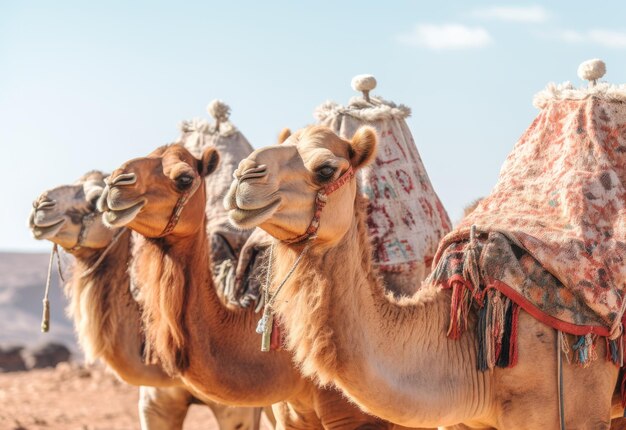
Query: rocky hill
(22, 282)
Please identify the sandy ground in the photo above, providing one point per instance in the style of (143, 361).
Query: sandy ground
(74, 398)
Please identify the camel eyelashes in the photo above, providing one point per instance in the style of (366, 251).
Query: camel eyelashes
(325, 173)
(183, 182)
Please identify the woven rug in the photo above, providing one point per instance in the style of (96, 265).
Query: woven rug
(551, 236)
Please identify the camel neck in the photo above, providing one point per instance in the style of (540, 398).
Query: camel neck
(96, 299)
(343, 327)
(106, 316)
(214, 349)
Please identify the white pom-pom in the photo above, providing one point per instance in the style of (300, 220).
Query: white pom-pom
(591, 70)
(219, 110)
(363, 83)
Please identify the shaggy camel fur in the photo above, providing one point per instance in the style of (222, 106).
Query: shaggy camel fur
(225, 242)
(391, 357)
(106, 317)
(212, 348)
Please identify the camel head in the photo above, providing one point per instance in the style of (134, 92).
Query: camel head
(277, 187)
(161, 194)
(67, 215)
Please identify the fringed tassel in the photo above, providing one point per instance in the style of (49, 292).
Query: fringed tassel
(615, 350)
(471, 271)
(497, 328)
(459, 310)
(513, 354)
(585, 350)
(499, 308)
(622, 389)
(481, 328)
(505, 353)
(565, 348)
(454, 329)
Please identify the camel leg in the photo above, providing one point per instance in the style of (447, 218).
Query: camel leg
(527, 393)
(336, 413)
(163, 408)
(236, 418)
(295, 417)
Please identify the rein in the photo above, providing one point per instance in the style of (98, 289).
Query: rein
(266, 323)
(114, 240)
(45, 318)
(178, 209)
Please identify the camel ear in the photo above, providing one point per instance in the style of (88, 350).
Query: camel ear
(283, 135)
(363, 147)
(209, 162)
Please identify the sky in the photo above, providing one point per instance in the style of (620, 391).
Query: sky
(89, 85)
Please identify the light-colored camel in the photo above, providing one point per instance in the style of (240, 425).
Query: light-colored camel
(392, 358)
(213, 349)
(106, 317)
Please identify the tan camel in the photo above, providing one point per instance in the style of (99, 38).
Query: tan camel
(106, 317)
(212, 348)
(225, 242)
(392, 358)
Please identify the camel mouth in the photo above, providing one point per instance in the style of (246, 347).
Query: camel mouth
(42, 232)
(250, 218)
(121, 216)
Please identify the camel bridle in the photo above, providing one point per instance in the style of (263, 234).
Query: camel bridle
(266, 323)
(85, 221)
(320, 201)
(179, 206)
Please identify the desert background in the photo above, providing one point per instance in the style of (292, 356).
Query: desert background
(88, 86)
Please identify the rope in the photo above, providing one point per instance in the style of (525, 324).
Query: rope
(104, 253)
(45, 317)
(559, 370)
(265, 324)
(293, 268)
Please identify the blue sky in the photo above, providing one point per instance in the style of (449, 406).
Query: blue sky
(87, 85)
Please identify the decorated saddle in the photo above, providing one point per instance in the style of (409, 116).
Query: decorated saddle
(405, 217)
(551, 236)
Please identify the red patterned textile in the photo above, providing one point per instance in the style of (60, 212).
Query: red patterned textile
(406, 219)
(552, 234)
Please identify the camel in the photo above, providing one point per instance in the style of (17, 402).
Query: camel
(211, 347)
(225, 241)
(391, 357)
(106, 317)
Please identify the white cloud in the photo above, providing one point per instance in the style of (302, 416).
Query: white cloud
(602, 37)
(446, 36)
(530, 14)
(608, 38)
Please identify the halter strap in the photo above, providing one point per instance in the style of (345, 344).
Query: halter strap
(320, 201)
(85, 222)
(178, 208)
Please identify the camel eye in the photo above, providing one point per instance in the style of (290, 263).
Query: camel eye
(183, 182)
(325, 173)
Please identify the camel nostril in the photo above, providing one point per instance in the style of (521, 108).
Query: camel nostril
(123, 179)
(254, 172)
(44, 204)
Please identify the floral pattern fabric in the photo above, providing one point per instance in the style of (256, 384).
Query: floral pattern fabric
(552, 234)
